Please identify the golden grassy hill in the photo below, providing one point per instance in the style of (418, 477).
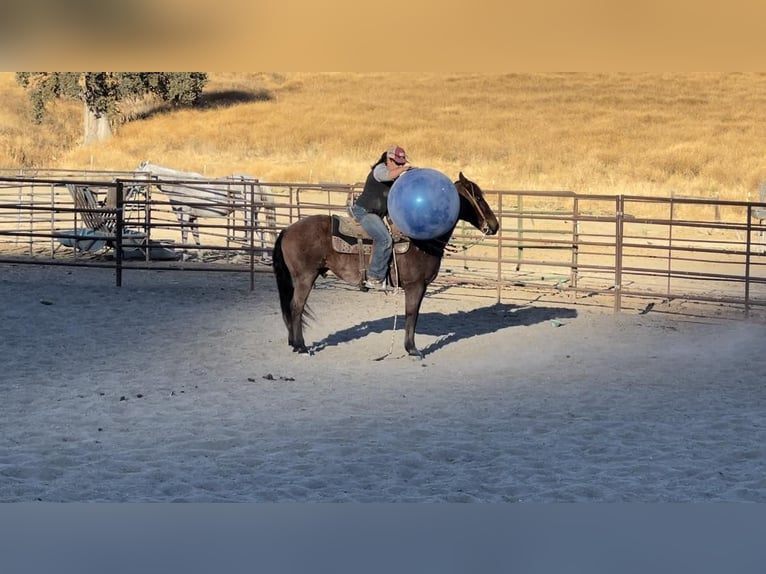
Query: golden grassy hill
(649, 134)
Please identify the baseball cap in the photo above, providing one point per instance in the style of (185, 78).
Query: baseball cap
(397, 154)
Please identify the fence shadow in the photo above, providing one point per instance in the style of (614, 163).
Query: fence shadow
(453, 327)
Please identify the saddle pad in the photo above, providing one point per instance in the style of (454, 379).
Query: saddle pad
(347, 234)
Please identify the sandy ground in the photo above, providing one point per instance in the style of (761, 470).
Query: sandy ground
(180, 386)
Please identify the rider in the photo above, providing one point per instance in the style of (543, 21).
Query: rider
(371, 207)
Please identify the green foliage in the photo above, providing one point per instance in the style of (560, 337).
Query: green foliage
(46, 86)
(177, 88)
(102, 92)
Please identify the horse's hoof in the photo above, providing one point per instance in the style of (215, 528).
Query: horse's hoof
(415, 353)
(301, 349)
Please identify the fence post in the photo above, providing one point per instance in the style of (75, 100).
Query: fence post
(520, 230)
(575, 242)
(619, 220)
(148, 220)
(747, 258)
(670, 244)
(119, 227)
(500, 247)
(251, 233)
(293, 200)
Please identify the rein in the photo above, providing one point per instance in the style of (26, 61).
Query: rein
(477, 208)
(452, 249)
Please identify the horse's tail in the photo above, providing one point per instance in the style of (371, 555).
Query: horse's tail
(284, 280)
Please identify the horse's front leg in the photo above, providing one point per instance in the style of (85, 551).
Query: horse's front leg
(256, 233)
(413, 297)
(179, 211)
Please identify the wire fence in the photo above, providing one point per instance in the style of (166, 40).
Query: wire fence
(698, 249)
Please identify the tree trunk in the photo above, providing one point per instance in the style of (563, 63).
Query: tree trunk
(97, 129)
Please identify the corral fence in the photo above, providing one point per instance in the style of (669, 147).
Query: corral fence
(621, 246)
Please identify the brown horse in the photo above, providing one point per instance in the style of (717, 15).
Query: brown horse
(304, 250)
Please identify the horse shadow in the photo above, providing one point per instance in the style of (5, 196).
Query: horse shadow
(453, 327)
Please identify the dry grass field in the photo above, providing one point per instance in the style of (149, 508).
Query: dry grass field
(698, 134)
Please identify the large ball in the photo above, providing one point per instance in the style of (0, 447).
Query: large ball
(423, 203)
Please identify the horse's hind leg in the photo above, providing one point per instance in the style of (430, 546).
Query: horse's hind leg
(260, 236)
(302, 288)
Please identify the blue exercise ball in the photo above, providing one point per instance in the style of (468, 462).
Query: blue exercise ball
(423, 203)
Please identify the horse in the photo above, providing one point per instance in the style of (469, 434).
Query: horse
(190, 201)
(304, 250)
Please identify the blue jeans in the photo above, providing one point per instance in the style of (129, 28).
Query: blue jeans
(382, 242)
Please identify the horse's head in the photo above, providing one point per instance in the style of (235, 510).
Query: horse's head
(474, 208)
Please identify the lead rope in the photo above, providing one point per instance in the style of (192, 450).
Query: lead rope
(452, 250)
(394, 293)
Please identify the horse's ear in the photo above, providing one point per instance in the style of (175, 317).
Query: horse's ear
(461, 177)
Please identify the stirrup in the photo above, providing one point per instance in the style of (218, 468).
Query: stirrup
(376, 285)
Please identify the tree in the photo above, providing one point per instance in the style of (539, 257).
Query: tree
(102, 93)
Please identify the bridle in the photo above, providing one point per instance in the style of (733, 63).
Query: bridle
(471, 197)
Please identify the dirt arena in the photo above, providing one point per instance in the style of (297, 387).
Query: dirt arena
(180, 386)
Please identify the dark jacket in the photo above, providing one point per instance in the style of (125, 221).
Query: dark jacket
(374, 196)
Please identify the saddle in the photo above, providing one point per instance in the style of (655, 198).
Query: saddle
(350, 237)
